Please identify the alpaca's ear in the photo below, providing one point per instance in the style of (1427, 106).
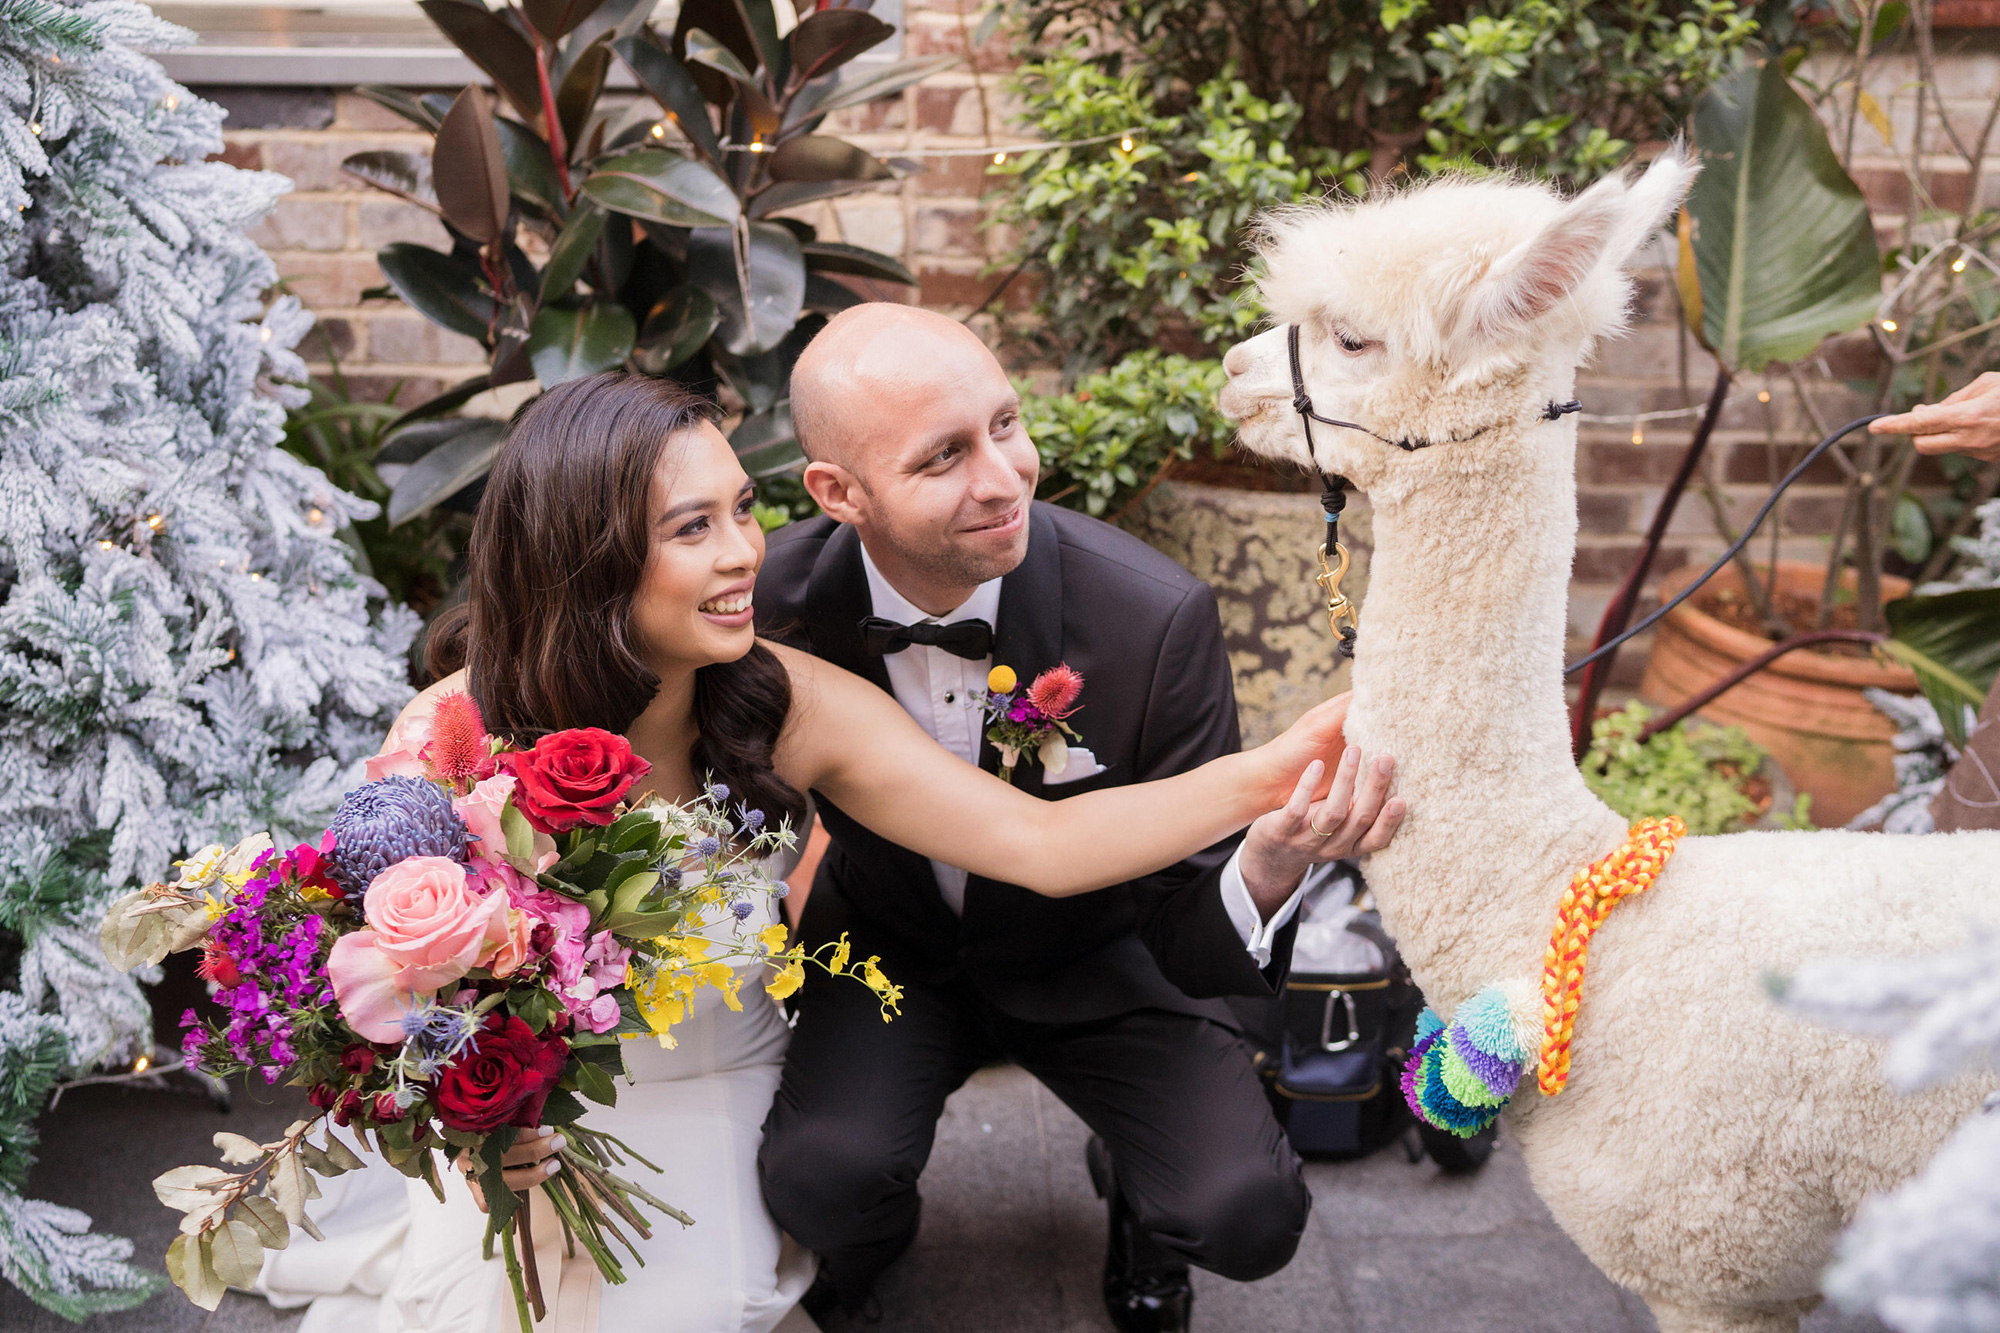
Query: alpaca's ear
(1650, 201)
(1529, 280)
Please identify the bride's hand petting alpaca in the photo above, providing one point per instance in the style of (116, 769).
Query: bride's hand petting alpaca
(1357, 816)
(855, 743)
(527, 1164)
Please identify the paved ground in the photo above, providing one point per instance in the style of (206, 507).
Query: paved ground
(1012, 1240)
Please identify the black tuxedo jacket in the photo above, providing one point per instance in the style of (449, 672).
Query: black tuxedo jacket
(1157, 700)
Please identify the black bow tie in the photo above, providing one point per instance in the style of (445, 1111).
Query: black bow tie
(970, 639)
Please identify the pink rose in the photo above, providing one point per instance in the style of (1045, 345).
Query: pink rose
(400, 749)
(427, 927)
(480, 809)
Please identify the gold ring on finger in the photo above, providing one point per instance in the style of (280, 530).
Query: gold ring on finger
(1323, 833)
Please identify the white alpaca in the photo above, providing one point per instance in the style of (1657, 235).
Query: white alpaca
(1710, 1146)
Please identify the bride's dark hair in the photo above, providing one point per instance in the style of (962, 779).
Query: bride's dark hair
(553, 568)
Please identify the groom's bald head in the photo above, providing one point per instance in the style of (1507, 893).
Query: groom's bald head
(872, 360)
(914, 437)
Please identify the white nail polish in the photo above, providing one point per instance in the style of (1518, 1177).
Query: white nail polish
(550, 1168)
(559, 1144)
(543, 1131)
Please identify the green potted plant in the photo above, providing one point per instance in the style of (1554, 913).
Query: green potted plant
(1778, 250)
(660, 225)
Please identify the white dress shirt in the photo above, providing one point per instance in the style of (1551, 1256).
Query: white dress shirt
(941, 691)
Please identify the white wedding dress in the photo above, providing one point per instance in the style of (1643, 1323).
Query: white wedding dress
(395, 1260)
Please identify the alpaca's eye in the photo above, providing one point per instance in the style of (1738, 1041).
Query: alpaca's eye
(1348, 342)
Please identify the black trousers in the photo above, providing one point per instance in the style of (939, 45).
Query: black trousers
(1204, 1167)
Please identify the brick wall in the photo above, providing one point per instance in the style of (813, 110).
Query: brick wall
(323, 237)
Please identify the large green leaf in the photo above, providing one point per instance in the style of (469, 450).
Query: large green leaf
(825, 41)
(576, 96)
(613, 20)
(722, 20)
(531, 169)
(1781, 238)
(883, 82)
(407, 105)
(821, 157)
(491, 43)
(457, 461)
(765, 442)
(554, 18)
(569, 344)
(674, 88)
(662, 186)
(457, 396)
(468, 171)
(438, 287)
(829, 297)
(834, 257)
(703, 49)
(676, 329)
(571, 251)
(760, 291)
(1952, 642)
(790, 194)
(404, 174)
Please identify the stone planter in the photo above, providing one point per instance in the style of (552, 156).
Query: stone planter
(1255, 548)
(1806, 708)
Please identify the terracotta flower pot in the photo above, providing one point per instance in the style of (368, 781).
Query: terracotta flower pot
(1806, 708)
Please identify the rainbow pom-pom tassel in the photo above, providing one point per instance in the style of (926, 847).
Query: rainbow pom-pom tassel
(1460, 1074)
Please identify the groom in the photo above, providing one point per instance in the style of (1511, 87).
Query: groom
(930, 565)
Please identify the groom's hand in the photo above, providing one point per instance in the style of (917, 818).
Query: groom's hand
(1357, 815)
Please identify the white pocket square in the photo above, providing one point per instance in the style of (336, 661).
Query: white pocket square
(1082, 764)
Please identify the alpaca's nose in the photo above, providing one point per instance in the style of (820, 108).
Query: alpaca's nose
(1236, 360)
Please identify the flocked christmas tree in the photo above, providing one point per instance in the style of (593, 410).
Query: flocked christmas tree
(186, 650)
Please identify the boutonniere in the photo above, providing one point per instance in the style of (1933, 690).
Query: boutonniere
(1020, 721)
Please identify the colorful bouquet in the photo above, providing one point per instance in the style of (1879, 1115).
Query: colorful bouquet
(1032, 720)
(455, 961)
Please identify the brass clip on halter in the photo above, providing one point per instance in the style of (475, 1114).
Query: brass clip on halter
(1340, 613)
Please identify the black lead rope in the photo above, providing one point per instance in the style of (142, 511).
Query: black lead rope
(1769, 503)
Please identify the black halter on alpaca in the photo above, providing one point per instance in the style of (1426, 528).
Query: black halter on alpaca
(1340, 615)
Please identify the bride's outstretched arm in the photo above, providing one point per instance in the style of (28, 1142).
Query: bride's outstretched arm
(852, 741)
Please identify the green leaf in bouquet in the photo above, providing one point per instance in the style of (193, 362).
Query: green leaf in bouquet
(264, 1218)
(316, 1160)
(188, 1265)
(340, 1154)
(630, 1020)
(531, 1005)
(634, 830)
(627, 896)
(235, 1253)
(595, 1084)
(520, 837)
(561, 1108)
(237, 1150)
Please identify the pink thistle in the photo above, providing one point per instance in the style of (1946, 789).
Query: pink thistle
(1055, 691)
(458, 745)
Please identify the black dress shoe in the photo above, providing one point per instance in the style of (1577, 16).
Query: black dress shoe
(1146, 1289)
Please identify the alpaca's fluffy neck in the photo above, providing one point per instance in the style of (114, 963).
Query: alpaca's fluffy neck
(1459, 676)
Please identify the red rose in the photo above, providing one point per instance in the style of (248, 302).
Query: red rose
(504, 1080)
(386, 1111)
(347, 1108)
(323, 1095)
(573, 777)
(358, 1059)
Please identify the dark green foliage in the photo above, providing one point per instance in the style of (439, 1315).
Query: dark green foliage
(1238, 105)
(656, 218)
(346, 438)
(1108, 440)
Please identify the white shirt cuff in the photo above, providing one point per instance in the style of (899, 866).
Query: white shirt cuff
(1255, 932)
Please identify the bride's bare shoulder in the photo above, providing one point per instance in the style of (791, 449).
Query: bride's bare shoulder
(416, 715)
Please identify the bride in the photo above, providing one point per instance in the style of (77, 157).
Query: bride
(610, 578)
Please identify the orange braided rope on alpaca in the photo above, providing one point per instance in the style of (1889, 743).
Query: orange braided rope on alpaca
(1585, 903)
